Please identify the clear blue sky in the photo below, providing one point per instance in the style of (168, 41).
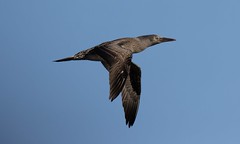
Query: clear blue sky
(190, 88)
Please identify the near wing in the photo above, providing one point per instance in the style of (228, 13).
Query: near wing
(118, 60)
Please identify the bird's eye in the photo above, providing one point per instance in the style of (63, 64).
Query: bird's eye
(156, 37)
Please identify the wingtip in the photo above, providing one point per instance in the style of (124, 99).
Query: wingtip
(128, 124)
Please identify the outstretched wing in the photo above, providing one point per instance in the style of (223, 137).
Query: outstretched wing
(118, 61)
(131, 94)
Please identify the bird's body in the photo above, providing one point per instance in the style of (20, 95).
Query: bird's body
(124, 75)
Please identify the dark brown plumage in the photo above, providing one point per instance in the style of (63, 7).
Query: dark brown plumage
(124, 75)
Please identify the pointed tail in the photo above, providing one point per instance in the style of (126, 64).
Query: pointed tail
(65, 59)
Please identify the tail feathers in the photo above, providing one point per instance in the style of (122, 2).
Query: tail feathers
(65, 59)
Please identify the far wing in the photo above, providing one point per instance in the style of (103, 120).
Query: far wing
(131, 94)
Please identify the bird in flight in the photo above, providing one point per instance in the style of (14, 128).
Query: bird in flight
(124, 75)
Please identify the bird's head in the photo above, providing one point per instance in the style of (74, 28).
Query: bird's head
(150, 40)
(155, 39)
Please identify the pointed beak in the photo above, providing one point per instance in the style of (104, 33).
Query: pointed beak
(164, 39)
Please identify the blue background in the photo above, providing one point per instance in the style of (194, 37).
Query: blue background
(190, 88)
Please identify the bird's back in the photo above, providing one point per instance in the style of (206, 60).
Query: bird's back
(129, 44)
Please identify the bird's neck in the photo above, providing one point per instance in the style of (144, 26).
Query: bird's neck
(142, 45)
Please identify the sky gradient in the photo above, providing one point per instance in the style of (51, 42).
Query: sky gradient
(190, 88)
